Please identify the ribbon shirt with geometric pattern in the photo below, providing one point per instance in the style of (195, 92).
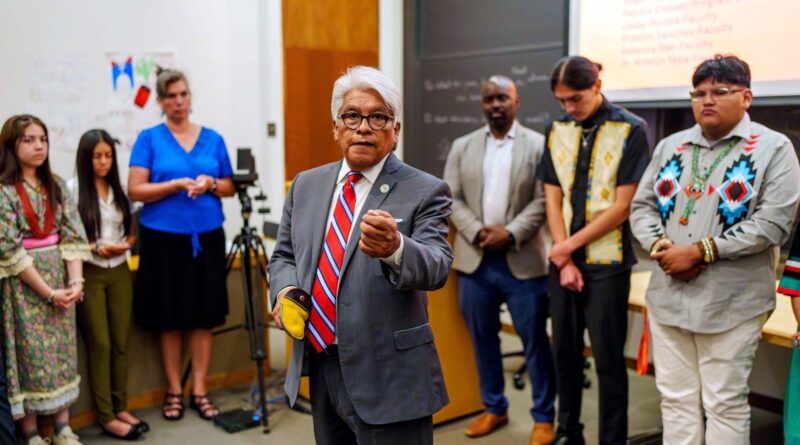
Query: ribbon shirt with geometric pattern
(747, 206)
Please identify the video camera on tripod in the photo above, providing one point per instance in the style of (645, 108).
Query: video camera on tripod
(245, 177)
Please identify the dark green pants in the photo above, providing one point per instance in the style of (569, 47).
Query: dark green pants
(104, 319)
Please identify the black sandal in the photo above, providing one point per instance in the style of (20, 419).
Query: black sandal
(172, 403)
(203, 405)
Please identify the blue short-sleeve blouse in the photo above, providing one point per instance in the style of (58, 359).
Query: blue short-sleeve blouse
(157, 150)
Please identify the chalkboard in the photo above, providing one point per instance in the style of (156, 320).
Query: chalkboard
(448, 27)
(451, 101)
(452, 46)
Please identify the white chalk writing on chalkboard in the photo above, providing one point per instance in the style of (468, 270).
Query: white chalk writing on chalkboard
(444, 119)
(540, 118)
(537, 78)
(462, 92)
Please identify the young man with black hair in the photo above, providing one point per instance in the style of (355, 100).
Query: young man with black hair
(712, 206)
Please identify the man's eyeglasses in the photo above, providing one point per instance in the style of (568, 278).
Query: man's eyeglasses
(376, 121)
(721, 93)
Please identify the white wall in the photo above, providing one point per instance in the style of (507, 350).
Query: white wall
(390, 48)
(271, 159)
(231, 52)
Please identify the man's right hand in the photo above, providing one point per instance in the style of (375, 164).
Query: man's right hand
(677, 259)
(493, 237)
(480, 237)
(571, 277)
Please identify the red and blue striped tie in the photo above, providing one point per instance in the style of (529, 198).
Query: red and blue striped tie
(322, 326)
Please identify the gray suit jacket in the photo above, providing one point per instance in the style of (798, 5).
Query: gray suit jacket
(389, 363)
(525, 215)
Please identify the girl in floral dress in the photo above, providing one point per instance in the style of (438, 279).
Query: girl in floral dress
(42, 246)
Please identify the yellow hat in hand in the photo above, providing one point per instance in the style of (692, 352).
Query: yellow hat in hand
(295, 311)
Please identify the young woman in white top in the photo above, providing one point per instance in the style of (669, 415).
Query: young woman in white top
(104, 318)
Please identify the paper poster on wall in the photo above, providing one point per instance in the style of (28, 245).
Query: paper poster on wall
(57, 94)
(131, 86)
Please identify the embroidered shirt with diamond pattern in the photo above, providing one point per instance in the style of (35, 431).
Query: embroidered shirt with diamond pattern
(747, 205)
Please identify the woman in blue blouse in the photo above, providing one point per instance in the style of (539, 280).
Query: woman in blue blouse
(180, 170)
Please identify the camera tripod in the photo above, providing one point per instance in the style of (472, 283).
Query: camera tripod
(247, 246)
(250, 250)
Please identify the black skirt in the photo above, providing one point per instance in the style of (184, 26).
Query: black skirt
(176, 291)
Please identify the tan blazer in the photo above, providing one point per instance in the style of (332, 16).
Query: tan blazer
(525, 215)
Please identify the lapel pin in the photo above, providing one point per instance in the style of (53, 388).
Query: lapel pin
(384, 188)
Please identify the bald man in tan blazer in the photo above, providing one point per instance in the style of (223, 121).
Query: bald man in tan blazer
(500, 256)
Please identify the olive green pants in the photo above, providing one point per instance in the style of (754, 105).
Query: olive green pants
(104, 319)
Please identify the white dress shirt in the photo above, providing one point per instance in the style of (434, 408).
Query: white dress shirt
(362, 188)
(496, 176)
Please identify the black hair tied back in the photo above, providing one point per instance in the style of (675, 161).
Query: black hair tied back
(576, 72)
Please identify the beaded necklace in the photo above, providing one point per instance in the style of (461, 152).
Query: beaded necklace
(697, 185)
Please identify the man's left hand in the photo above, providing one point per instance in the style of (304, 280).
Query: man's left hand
(496, 237)
(379, 235)
(678, 259)
(690, 274)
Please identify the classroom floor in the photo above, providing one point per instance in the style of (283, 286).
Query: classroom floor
(294, 428)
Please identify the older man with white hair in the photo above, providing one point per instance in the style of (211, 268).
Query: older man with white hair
(361, 240)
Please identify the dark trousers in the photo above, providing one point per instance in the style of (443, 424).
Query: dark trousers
(336, 421)
(480, 295)
(602, 307)
(6, 420)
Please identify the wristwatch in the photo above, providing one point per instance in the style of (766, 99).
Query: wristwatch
(213, 185)
(511, 240)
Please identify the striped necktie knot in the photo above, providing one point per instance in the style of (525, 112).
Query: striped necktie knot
(353, 177)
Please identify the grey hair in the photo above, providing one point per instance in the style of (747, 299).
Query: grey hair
(367, 78)
(167, 77)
